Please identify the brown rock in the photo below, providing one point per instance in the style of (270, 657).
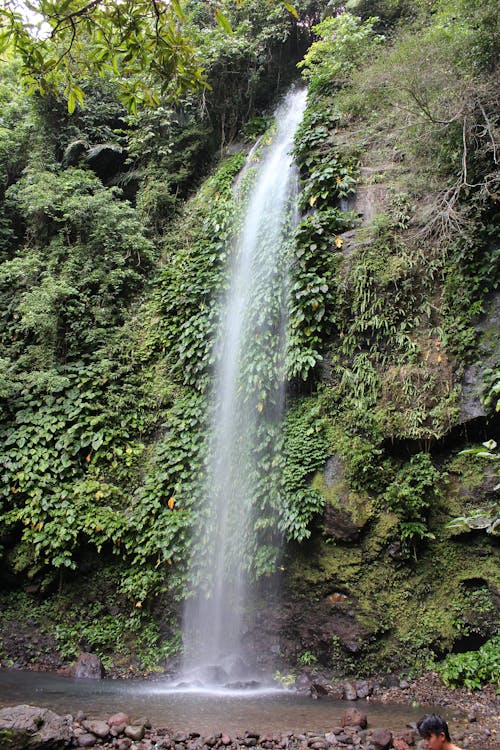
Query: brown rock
(381, 738)
(354, 718)
(399, 744)
(119, 718)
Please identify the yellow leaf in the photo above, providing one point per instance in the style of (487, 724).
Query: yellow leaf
(313, 199)
(138, 605)
(99, 495)
(171, 502)
(87, 458)
(339, 179)
(169, 561)
(260, 407)
(40, 526)
(338, 241)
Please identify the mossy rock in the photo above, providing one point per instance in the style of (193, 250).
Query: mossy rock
(346, 512)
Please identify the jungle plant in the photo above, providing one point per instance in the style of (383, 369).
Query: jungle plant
(410, 495)
(473, 669)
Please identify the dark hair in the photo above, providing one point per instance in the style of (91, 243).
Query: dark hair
(432, 724)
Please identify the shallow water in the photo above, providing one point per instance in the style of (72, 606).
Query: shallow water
(231, 712)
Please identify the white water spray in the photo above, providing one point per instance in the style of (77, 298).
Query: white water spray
(247, 404)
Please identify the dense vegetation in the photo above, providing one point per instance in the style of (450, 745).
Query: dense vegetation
(115, 225)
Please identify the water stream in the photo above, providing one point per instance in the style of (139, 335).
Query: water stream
(247, 406)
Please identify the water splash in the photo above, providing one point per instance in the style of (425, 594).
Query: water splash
(242, 482)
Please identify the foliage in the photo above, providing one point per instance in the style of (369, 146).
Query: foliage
(305, 449)
(473, 669)
(152, 47)
(410, 495)
(486, 517)
(345, 43)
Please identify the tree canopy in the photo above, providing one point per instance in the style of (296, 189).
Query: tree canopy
(148, 44)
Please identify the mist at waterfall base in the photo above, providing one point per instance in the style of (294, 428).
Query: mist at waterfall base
(247, 400)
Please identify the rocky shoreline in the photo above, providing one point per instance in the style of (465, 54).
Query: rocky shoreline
(33, 728)
(475, 723)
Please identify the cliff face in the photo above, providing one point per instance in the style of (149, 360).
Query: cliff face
(108, 324)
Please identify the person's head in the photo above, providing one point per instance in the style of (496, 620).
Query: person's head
(434, 730)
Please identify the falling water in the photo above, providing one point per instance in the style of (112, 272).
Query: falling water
(242, 488)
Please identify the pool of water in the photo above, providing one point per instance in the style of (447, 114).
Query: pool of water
(187, 710)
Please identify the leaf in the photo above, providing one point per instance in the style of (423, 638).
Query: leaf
(171, 502)
(338, 241)
(223, 21)
(291, 10)
(313, 199)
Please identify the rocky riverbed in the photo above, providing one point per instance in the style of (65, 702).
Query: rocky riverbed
(474, 724)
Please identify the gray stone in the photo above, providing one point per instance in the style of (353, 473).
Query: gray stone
(350, 692)
(86, 740)
(363, 689)
(99, 728)
(88, 667)
(135, 731)
(35, 727)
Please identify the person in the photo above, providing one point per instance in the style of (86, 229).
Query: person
(434, 731)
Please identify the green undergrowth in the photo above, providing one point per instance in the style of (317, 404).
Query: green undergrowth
(98, 619)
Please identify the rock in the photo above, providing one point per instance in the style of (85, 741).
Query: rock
(89, 667)
(336, 691)
(381, 738)
(99, 728)
(408, 736)
(354, 718)
(399, 744)
(124, 743)
(119, 718)
(363, 689)
(35, 727)
(350, 692)
(135, 731)
(86, 740)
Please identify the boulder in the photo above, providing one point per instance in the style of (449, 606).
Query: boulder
(350, 693)
(354, 718)
(117, 719)
(381, 738)
(89, 667)
(135, 732)
(99, 728)
(34, 728)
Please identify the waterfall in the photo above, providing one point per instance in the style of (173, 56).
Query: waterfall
(237, 525)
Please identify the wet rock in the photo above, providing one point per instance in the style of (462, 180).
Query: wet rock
(119, 718)
(135, 731)
(99, 728)
(89, 667)
(86, 740)
(350, 693)
(381, 738)
(35, 727)
(354, 718)
(363, 689)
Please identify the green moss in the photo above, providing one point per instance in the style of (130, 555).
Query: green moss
(359, 506)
